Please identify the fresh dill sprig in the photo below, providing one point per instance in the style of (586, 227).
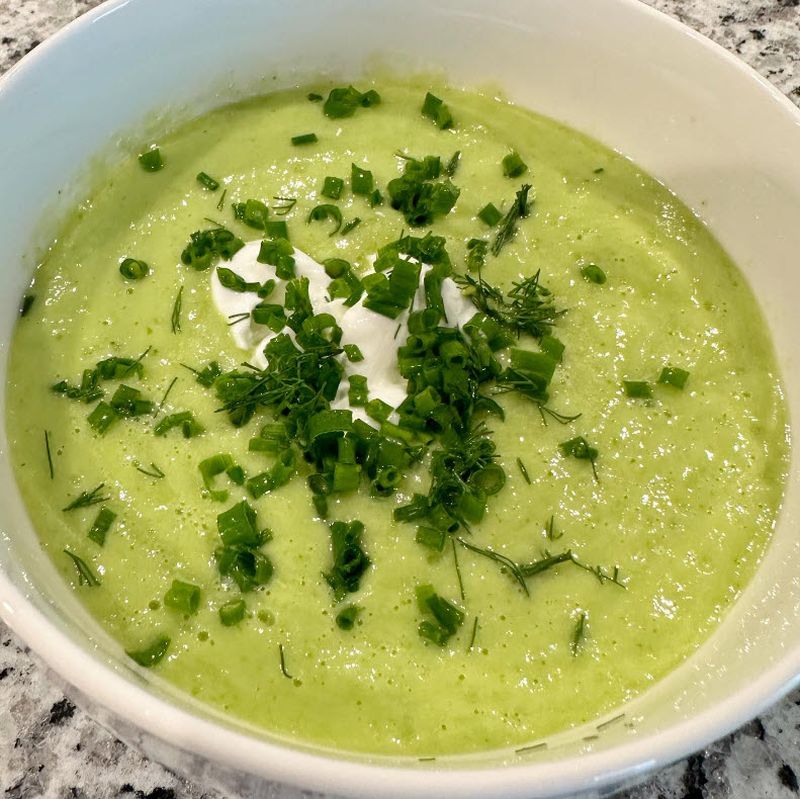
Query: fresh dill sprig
(520, 208)
(283, 663)
(156, 472)
(166, 394)
(237, 317)
(601, 574)
(472, 637)
(87, 498)
(547, 562)
(49, 454)
(458, 571)
(288, 204)
(579, 634)
(134, 366)
(505, 562)
(551, 530)
(85, 575)
(176, 311)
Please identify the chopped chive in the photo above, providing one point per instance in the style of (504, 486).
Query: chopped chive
(85, 575)
(133, 269)
(345, 100)
(551, 530)
(134, 366)
(314, 97)
(332, 188)
(513, 568)
(579, 449)
(305, 138)
(353, 353)
(673, 376)
(26, 304)
(221, 203)
(183, 597)
(489, 214)
(101, 525)
(578, 635)
(351, 225)
(375, 198)
(523, 471)
(87, 498)
(166, 394)
(49, 454)
(327, 211)
(207, 182)
(151, 160)
(153, 653)
(155, 471)
(283, 662)
(472, 637)
(177, 305)
(210, 468)
(277, 229)
(361, 180)
(231, 613)
(435, 109)
(102, 417)
(184, 420)
(599, 170)
(452, 165)
(513, 165)
(431, 538)
(347, 616)
(358, 394)
(594, 274)
(520, 209)
(447, 618)
(637, 389)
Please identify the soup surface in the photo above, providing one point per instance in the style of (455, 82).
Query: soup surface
(655, 503)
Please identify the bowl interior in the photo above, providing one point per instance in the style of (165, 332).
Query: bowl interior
(677, 105)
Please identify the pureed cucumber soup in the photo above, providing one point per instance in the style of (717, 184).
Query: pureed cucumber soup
(394, 421)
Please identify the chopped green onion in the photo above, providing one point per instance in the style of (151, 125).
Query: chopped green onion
(184, 420)
(579, 449)
(361, 180)
(183, 597)
(127, 401)
(349, 559)
(452, 165)
(153, 653)
(231, 613)
(447, 617)
(151, 160)
(101, 525)
(353, 353)
(280, 254)
(435, 109)
(594, 274)
(344, 101)
(358, 394)
(378, 410)
(346, 617)
(133, 269)
(477, 249)
(102, 417)
(351, 225)
(237, 526)
(489, 215)
(209, 469)
(277, 229)
(637, 389)
(314, 97)
(207, 182)
(49, 454)
(513, 165)
(206, 247)
(332, 188)
(431, 537)
(305, 138)
(327, 211)
(673, 376)
(553, 347)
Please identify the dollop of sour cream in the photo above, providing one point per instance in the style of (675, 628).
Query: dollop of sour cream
(377, 336)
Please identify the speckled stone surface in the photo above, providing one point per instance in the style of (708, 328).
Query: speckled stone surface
(49, 748)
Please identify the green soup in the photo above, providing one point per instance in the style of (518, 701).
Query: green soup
(688, 480)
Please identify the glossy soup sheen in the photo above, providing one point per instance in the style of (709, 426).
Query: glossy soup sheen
(689, 482)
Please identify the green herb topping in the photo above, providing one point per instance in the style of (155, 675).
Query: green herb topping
(435, 109)
(673, 376)
(231, 613)
(183, 597)
(133, 269)
(444, 618)
(85, 575)
(207, 182)
(349, 559)
(419, 194)
(101, 525)
(151, 654)
(345, 101)
(513, 165)
(151, 160)
(305, 138)
(332, 188)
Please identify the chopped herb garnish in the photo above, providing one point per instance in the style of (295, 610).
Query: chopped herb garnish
(458, 570)
(127, 401)
(102, 417)
(447, 618)
(153, 472)
(477, 249)
(283, 662)
(26, 304)
(347, 616)
(349, 559)
(332, 188)
(579, 449)
(474, 634)
(505, 562)
(287, 204)
(520, 208)
(280, 254)
(523, 471)
(184, 420)
(231, 613)
(513, 165)
(101, 525)
(151, 160)
(85, 575)
(239, 557)
(353, 353)
(327, 211)
(358, 395)
(435, 109)
(419, 194)
(305, 138)
(431, 538)
(166, 394)
(49, 454)
(594, 274)
(213, 466)
(277, 229)
(314, 97)
(452, 165)
(344, 101)
(87, 498)
(177, 305)
(490, 214)
(207, 182)
(673, 376)
(133, 269)
(351, 225)
(578, 635)
(637, 389)
(206, 247)
(183, 597)
(361, 180)
(152, 654)
(230, 280)
(221, 202)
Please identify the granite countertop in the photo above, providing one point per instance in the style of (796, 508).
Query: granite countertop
(50, 748)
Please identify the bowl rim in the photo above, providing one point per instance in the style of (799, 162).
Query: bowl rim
(285, 762)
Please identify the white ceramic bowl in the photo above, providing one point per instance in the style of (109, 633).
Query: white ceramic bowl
(681, 107)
